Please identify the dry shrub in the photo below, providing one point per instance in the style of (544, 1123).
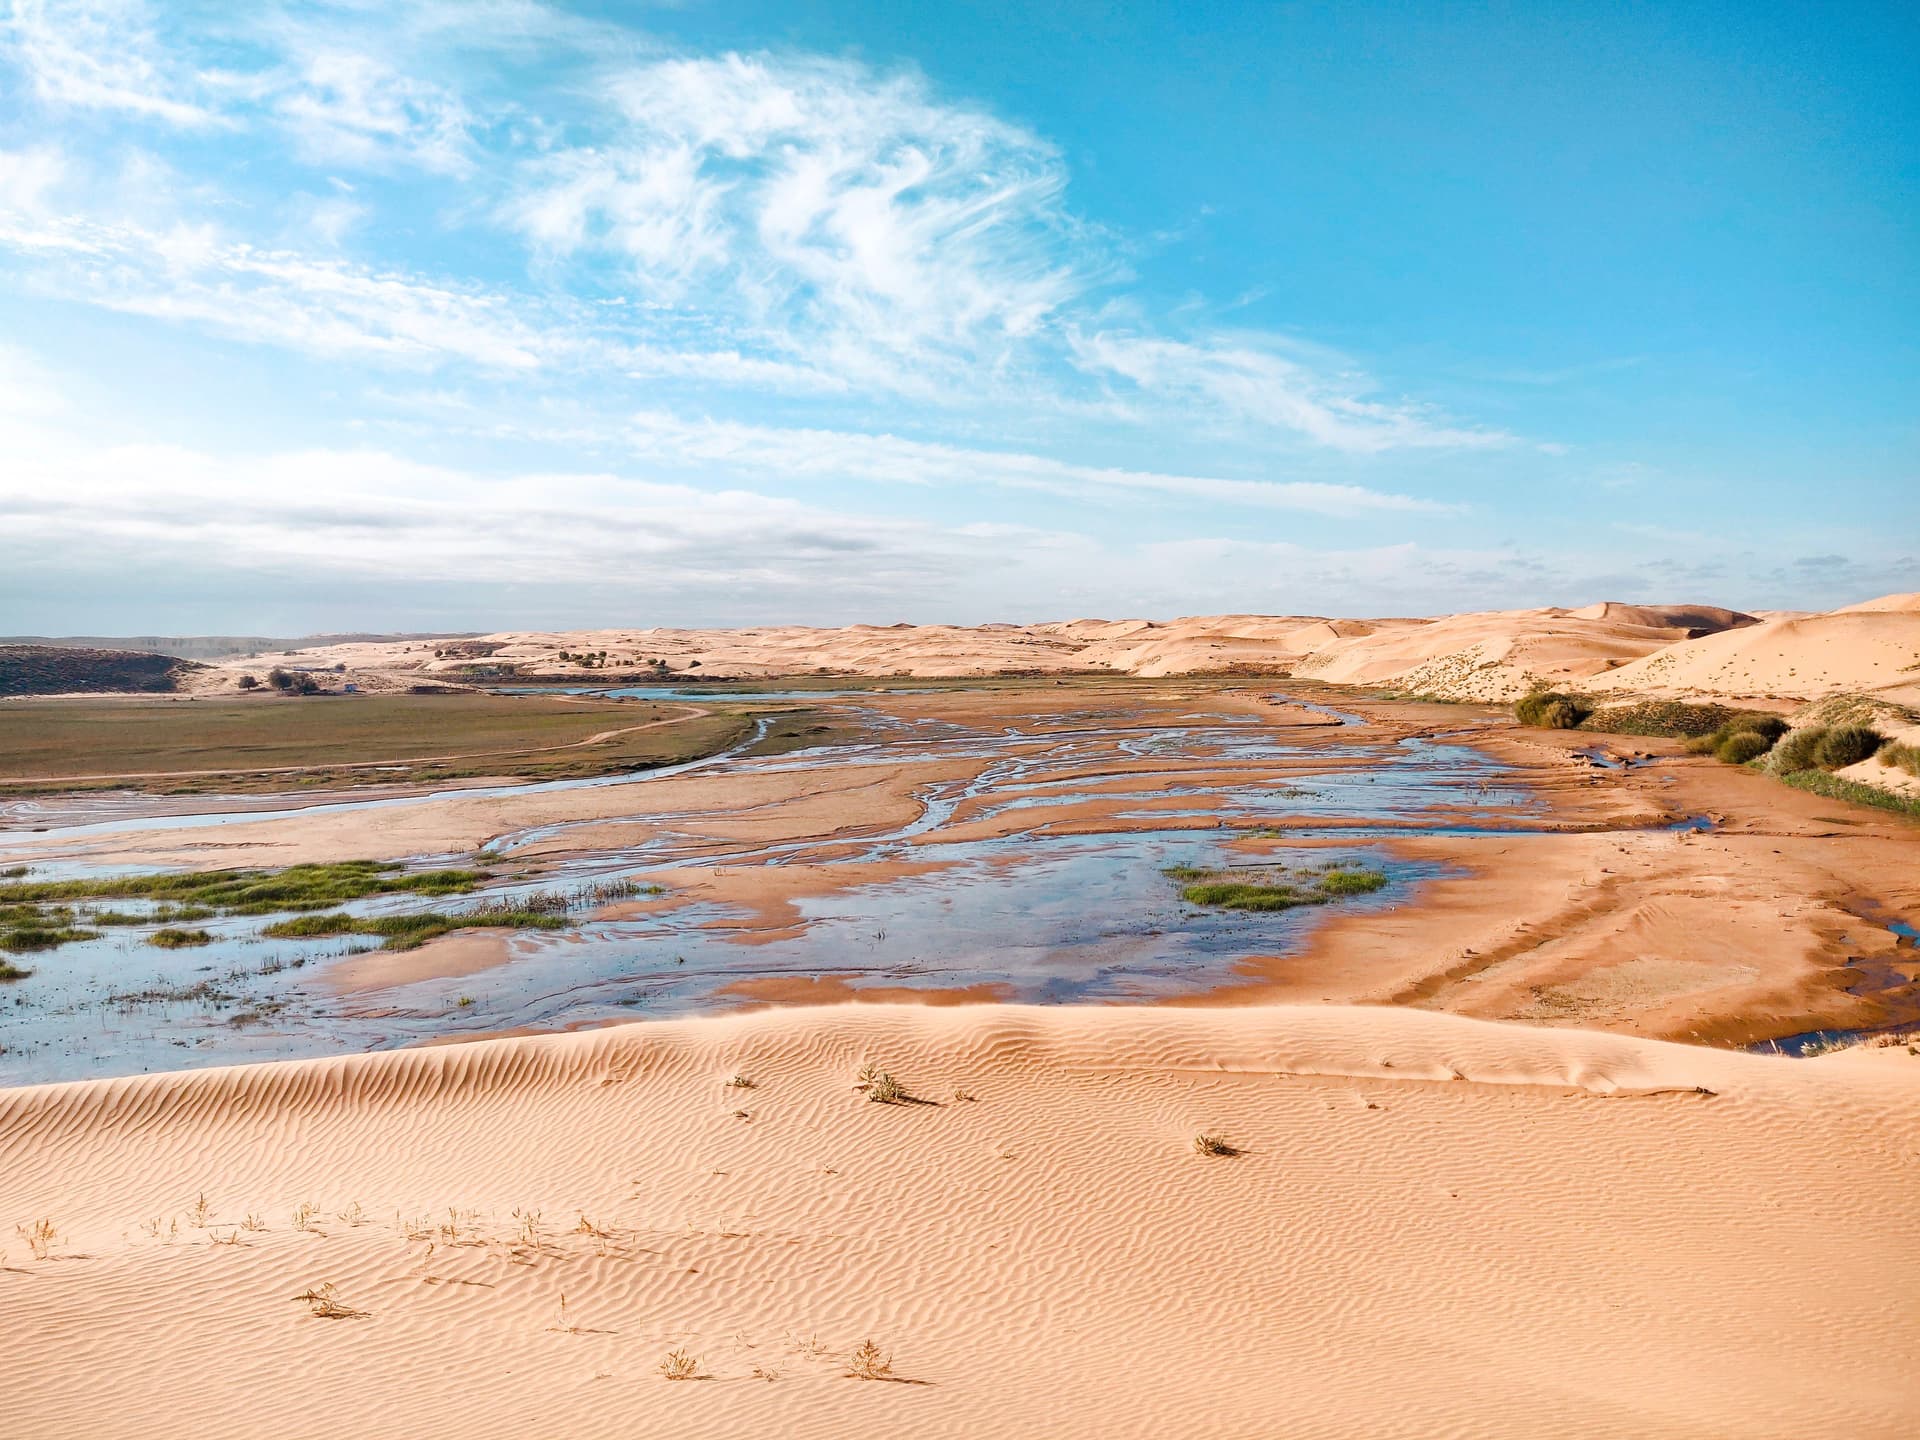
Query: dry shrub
(679, 1365)
(1204, 1144)
(869, 1362)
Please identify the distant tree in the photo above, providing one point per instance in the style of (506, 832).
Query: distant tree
(341, 668)
(248, 682)
(279, 678)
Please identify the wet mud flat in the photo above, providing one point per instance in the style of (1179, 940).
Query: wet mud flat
(986, 844)
(1030, 866)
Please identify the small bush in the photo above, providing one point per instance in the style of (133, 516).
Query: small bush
(882, 1088)
(1742, 746)
(1795, 751)
(1214, 1145)
(870, 1362)
(1846, 745)
(1675, 719)
(1552, 710)
(1756, 722)
(679, 1365)
(1902, 757)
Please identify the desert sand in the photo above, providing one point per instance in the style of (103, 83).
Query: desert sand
(1434, 1226)
(1477, 1185)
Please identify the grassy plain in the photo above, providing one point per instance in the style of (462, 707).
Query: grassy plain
(274, 743)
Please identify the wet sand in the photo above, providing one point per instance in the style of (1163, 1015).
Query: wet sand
(1533, 882)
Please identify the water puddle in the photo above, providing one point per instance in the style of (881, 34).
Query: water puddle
(1035, 877)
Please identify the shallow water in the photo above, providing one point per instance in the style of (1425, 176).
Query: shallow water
(1030, 917)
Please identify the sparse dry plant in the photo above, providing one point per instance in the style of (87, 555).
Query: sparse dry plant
(352, 1215)
(420, 1227)
(1204, 1144)
(324, 1302)
(741, 1082)
(870, 1362)
(232, 1237)
(565, 1324)
(881, 1087)
(253, 1222)
(679, 1365)
(531, 1237)
(303, 1214)
(41, 1237)
(200, 1213)
(765, 1372)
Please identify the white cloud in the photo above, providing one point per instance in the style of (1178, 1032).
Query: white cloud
(1252, 378)
(343, 107)
(843, 212)
(780, 453)
(101, 54)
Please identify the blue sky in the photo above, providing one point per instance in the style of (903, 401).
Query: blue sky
(464, 315)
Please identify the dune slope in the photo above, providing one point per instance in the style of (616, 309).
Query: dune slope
(1436, 1227)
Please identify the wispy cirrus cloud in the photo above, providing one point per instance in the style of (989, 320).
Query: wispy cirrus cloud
(104, 55)
(786, 453)
(1254, 378)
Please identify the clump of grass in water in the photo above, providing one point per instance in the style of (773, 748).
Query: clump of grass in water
(25, 928)
(406, 932)
(255, 892)
(174, 938)
(1271, 890)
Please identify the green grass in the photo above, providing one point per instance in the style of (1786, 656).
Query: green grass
(24, 939)
(174, 938)
(1836, 788)
(164, 745)
(405, 932)
(253, 892)
(1272, 891)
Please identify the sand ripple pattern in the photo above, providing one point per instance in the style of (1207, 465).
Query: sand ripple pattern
(1436, 1227)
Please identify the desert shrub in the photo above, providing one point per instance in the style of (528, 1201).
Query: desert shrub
(1742, 746)
(1675, 719)
(1551, 710)
(278, 678)
(1903, 757)
(1846, 745)
(248, 682)
(1756, 722)
(1795, 751)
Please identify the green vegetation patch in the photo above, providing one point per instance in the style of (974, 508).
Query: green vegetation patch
(1674, 719)
(405, 932)
(22, 939)
(1837, 788)
(1552, 710)
(253, 892)
(174, 938)
(1272, 889)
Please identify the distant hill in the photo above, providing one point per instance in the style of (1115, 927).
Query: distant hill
(68, 670)
(215, 647)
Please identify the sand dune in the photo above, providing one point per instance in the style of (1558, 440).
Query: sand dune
(1874, 647)
(1490, 655)
(1437, 1227)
